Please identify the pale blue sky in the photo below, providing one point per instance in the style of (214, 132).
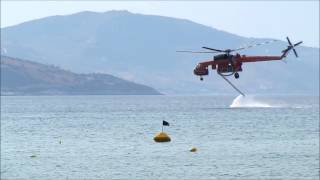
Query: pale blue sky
(273, 19)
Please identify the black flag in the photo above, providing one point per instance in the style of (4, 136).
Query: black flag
(165, 123)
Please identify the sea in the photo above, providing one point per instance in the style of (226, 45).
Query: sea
(111, 137)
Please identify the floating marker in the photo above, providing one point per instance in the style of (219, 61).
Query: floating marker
(162, 137)
(193, 149)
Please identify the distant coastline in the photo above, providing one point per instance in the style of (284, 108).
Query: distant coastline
(22, 77)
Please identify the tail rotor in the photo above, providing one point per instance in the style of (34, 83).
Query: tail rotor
(291, 47)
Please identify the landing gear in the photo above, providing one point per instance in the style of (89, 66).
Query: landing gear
(236, 75)
(201, 78)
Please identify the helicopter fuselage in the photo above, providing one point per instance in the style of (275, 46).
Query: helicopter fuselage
(223, 63)
(229, 64)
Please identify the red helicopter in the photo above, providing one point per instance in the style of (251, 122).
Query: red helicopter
(228, 64)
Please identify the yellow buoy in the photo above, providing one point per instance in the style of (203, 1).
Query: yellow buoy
(162, 137)
(193, 149)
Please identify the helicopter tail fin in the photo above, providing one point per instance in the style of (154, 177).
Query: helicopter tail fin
(290, 47)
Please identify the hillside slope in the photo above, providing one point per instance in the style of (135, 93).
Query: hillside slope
(21, 77)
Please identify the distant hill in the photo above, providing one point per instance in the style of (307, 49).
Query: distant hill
(21, 77)
(143, 48)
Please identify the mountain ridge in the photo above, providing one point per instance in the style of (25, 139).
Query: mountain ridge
(142, 48)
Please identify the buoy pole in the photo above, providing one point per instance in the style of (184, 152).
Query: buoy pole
(162, 129)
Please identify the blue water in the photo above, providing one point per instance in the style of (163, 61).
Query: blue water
(111, 137)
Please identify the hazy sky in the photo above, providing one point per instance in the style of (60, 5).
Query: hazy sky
(297, 19)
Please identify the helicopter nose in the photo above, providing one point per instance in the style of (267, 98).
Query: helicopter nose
(195, 72)
(200, 71)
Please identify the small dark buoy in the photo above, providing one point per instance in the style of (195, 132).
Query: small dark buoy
(33, 156)
(162, 137)
(193, 149)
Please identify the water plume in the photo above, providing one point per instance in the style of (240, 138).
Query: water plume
(247, 101)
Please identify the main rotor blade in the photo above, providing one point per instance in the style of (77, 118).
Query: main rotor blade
(218, 50)
(254, 45)
(196, 52)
